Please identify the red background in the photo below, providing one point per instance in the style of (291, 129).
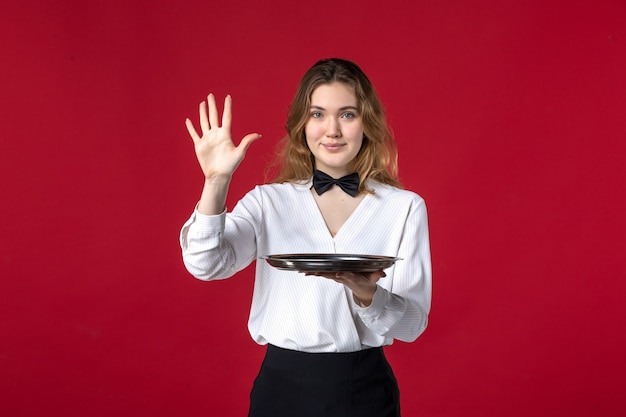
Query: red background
(510, 118)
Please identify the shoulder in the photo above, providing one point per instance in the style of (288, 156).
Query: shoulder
(389, 193)
(398, 203)
(278, 190)
(265, 199)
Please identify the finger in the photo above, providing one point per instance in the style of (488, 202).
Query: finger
(192, 130)
(320, 274)
(247, 141)
(375, 276)
(349, 276)
(213, 116)
(227, 117)
(204, 119)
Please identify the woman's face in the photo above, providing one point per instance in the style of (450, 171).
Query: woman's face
(334, 129)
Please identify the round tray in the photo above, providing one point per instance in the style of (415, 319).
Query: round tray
(321, 262)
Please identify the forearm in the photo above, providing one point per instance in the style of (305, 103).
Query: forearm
(213, 198)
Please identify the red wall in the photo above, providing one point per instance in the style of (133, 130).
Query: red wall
(511, 121)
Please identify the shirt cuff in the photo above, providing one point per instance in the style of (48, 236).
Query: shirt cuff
(209, 223)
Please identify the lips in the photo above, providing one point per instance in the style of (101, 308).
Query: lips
(333, 146)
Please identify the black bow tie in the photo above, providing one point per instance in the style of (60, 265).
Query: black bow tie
(322, 182)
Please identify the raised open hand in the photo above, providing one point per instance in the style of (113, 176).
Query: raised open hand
(215, 150)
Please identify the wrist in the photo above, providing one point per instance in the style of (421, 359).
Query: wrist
(364, 298)
(217, 180)
(213, 198)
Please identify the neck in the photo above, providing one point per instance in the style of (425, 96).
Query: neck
(335, 173)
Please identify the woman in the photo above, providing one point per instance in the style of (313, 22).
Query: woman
(325, 331)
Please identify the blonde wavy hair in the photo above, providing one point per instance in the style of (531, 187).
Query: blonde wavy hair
(378, 157)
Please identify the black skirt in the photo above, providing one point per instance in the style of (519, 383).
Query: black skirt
(299, 384)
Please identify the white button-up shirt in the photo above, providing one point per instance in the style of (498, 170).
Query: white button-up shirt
(310, 313)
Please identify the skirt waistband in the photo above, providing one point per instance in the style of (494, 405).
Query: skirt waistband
(285, 359)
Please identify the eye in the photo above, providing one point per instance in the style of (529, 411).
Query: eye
(348, 115)
(316, 114)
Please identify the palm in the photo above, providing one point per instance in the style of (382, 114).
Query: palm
(215, 150)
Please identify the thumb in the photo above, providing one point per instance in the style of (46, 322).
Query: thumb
(376, 275)
(247, 141)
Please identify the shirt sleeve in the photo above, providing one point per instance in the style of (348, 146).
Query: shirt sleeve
(400, 310)
(217, 247)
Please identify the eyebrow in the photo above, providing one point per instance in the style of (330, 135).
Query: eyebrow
(340, 109)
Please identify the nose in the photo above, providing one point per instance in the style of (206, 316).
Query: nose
(333, 128)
